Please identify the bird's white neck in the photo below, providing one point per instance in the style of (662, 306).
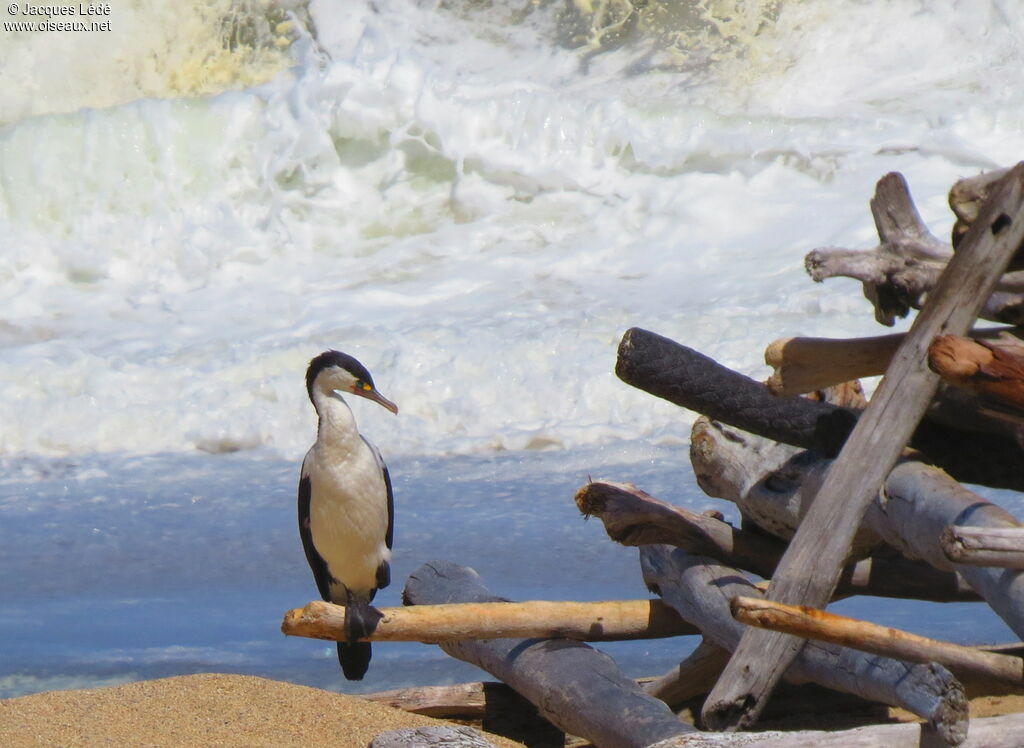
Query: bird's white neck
(337, 427)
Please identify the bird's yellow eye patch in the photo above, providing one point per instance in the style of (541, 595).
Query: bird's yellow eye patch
(364, 386)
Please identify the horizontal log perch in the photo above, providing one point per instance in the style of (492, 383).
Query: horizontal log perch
(583, 621)
(691, 380)
(577, 688)
(701, 590)
(633, 517)
(1000, 547)
(811, 623)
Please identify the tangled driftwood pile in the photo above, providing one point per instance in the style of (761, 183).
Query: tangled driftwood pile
(838, 497)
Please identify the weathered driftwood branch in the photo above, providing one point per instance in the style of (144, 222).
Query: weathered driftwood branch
(577, 688)
(632, 517)
(1001, 547)
(991, 732)
(992, 371)
(584, 621)
(916, 505)
(897, 275)
(701, 590)
(810, 568)
(691, 380)
(811, 623)
(967, 196)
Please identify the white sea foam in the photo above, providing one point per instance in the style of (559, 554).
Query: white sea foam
(470, 207)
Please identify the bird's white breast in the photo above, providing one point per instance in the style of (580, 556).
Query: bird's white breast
(348, 512)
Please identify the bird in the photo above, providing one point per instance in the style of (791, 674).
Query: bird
(346, 504)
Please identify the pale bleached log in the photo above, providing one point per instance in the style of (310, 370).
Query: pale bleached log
(820, 625)
(772, 484)
(1001, 547)
(807, 364)
(575, 687)
(990, 732)
(633, 517)
(701, 591)
(462, 700)
(611, 620)
(917, 504)
(810, 568)
(451, 736)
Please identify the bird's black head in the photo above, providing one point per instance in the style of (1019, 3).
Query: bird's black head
(347, 374)
(327, 359)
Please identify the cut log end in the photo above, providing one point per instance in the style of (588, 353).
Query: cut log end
(589, 499)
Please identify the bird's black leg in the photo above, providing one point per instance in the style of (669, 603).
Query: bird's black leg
(360, 619)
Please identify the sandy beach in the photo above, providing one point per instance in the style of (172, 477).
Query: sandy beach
(237, 710)
(201, 710)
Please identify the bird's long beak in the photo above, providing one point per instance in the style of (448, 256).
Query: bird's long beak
(378, 398)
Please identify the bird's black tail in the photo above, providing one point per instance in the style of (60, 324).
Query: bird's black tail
(354, 659)
(360, 621)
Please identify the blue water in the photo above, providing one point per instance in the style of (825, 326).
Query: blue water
(131, 568)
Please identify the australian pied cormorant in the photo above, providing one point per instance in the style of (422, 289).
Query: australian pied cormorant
(346, 506)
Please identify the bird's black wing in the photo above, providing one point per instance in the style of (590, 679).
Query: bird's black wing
(316, 561)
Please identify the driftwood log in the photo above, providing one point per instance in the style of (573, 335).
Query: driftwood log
(1002, 547)
(611, 620)
(810, 568)
(633, 517)
(912, 512)
(820, 625)
(691, 380)
(701, 591)
(442, 736)
(577, 688)
(991, 732)
(803, 364)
